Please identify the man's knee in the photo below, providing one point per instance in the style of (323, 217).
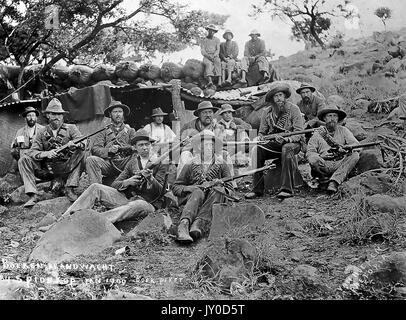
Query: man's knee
(92, 160)
(288, 150)
(354, 156)
(197, 194)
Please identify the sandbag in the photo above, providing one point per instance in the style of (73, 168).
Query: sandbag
(149, 71)
(127, 70)
(193, 68)
(80, 74)
(170, 70)
(103, 72)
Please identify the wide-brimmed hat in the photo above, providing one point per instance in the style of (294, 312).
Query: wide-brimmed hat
(226, 107)
(280, 87)
(54, 106)
(255, 31)
(116, 104)
(331, 109)
(28, 110)
(211, 27)
(203, 106)
(227, 31)
(198, 139)
(305, 86)
(158, 112)
(141, 135)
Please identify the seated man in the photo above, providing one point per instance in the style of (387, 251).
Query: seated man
(310, 105)
(210, 49)
(136, 191)
(228, 56)
(331, 135)
(207, 165)
(254, 52)
(281, 116)
(111, 150)
(43, 154)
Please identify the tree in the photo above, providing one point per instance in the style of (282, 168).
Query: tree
(383, 13)
(310, 19)
(95, 27)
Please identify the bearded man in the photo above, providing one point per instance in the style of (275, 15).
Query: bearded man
(310, 105)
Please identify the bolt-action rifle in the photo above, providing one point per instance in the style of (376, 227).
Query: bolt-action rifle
(337, 155)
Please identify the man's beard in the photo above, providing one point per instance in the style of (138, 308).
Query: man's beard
(306, 99)
(118, 120)
(331, 126)
(30, 123)
(54, 124)
(207, 121)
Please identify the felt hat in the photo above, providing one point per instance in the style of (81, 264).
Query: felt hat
(116, 104)
(331, 109)
(226, 107)
(199, 138)
(228, 31)
(204, 105)
(158, 112)
(254, 31)
(280, 87)
(28, 110)
(212, 27)
(305, 86)
(54, 106)
(141, 135)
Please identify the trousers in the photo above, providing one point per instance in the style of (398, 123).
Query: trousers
(212, 68)
(263, 64)
(97, 167)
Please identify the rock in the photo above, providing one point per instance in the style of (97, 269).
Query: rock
(232, 218)
(56, 206)
(159, 221)
(394, 51)
(369, 183)
(10, 182)
(3, 210)
(47, 221)
(388, 270)
(12, 289)
(227, 260)
(356, 66)
(307, 274)
(385, 203)
(356, 128)
(336, 100)
(122, 295)
(18, 196)
(85, 232)
(369, 159)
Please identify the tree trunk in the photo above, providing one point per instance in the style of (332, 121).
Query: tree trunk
(314, 33)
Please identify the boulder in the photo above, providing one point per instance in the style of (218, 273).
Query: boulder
(228, 218)
(370, 183)
(12, 289)
(388, 270)
(227, 260)
(126, 70)
(47, 220)
(385, 203)
(85, 232)
(356, 128)
(170, 70)
(369, 159)
(395, 51)
(56, 206)
(18, 196)
(158, 221)
(336, 100)
(193, 68)
(80, 75)
(308, 274)
(122, 295)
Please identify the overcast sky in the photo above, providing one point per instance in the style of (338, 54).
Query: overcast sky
(277, 33)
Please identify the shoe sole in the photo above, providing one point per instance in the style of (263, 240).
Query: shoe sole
(195, 234)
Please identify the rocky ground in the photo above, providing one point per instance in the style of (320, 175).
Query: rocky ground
(312, 246)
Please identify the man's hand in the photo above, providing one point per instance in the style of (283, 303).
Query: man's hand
(233, 126)
(51, 154)
(279, 139)
(190, 189)
(147, 174)
(71, 145)
(113, 149)
(259, 138)
(135, 180)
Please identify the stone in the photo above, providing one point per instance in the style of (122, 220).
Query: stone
(47, 220)
(18, 196)
(233, 218)
(3, 210)
(388, 270)
(394, 51)
(122, 295)
(12, 289)
(336, 100)
(308, 274)
(227, 260)
(370, 183)
(356, 128)
(385, 203)
(158, 221)
(369, 159)
(56, 206)
(85, 232)
(10, 182)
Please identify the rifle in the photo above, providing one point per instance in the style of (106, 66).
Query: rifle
(335, 154)
(79, 140)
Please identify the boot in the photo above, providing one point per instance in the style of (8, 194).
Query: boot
(196, 229)
(183, 232)
(70, 194)
(332, 187)
(32, 201)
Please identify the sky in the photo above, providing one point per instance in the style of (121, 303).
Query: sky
(276, 33)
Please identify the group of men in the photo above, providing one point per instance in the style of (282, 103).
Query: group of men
(221, 59)
(134, 160)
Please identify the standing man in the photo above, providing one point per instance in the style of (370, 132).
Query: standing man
(254, 52)
(25, 136)
(281, 116)
(207, 165)
(210, 49)
(323, 164)
(43, 152)
(310, 105)
(112, 148)
(228, 56)
(136, 191)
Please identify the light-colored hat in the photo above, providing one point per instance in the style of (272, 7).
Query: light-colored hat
(203, 106)
(28, 110)
(198, 139)
(212, 27)
(226, 107)
(331, 109)
(228, 31)
(305, 86)
(54, 106)
(158, 112)
(280, 87)
(116, 104)
(255, 31)
(141, 135)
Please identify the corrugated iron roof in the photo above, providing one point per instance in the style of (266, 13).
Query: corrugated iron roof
(20, 102)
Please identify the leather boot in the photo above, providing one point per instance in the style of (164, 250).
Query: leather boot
(70, 194)
(196, 229)
(183, 232)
